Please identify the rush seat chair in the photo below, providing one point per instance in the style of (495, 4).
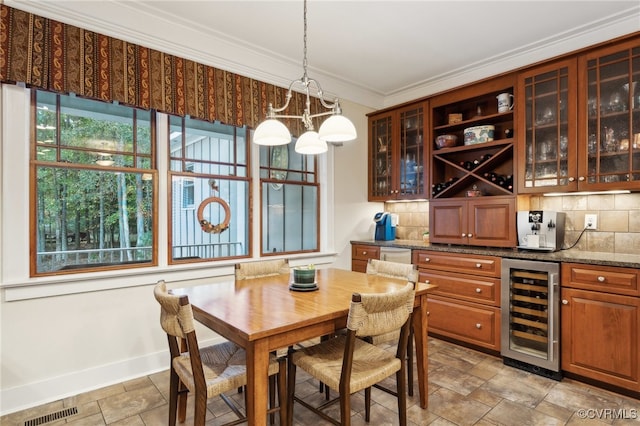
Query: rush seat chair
(349, 363)
(205, 372)
(408, 272)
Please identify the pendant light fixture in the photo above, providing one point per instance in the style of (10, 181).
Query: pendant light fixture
(336, 128)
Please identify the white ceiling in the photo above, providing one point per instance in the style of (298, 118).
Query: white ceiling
(376, 53)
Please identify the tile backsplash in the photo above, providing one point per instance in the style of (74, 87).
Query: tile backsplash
(618, 220)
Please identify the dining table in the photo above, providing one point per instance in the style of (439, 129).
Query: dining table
(264, 314)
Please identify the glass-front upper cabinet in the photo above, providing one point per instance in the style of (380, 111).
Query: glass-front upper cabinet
(611, 137)
(411, 157)
(548, 117)
(380, 161)
(398, 154)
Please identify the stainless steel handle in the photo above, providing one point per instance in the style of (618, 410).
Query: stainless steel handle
(478, 290)
(601, 279)
(565, 302)
(478, 326)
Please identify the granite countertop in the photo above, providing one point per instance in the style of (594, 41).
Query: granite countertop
(572, 255)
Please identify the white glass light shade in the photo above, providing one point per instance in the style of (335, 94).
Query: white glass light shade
(337, 128)
(309, 143)
(271, 132)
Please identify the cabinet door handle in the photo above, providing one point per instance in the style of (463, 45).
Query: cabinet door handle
(364, 253)
(478, 326)
(565, 302)
(464, 235)
(572, 179)
(428, 313)
(469, 235)
(427, 282)
(478, 265)
(581, 178)
(601, 279)
(478, 290)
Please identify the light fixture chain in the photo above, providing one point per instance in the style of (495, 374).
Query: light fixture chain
(304, 60)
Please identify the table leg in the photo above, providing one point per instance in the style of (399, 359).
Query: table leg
(257, 382)
(420, 325)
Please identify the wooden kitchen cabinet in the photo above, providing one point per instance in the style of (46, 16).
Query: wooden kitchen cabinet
(546, 115)
(360, 255)
(600, 323)
(398, 154)
(580, 117)
(609, 108)
(480, 221)
(467, 322)
(472, 198)
(466, 304)
(486, 167)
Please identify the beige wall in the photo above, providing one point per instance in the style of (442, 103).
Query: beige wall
(618, 220)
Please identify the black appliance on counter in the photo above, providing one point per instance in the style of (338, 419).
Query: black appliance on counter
(531, 316)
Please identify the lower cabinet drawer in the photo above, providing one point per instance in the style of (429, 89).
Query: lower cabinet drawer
(359, 265)
(471, 288)
(468, 322)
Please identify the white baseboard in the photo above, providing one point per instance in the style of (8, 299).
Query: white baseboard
(56, 388)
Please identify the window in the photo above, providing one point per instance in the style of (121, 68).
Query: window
(290, 200)
(93, 172)
(210, 173)
(188, 189)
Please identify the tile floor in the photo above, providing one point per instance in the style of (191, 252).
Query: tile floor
(466, 388)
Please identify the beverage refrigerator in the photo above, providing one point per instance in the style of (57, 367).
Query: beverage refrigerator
(530, 329)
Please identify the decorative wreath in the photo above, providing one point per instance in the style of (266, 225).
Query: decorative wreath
(208, 227)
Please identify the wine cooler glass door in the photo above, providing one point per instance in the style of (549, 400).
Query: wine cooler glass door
(530, 327)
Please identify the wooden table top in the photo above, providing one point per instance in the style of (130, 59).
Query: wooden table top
(260, 307)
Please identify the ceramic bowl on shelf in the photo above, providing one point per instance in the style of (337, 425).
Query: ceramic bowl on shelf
(446, 141)
(478, 134)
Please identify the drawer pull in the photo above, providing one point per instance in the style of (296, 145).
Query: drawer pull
(600, 279)
(478, 265)
(428, 313)
(426, 259)
(565, 302)
(427, 282)
(364, 253)
(478, 326)
(478, 290)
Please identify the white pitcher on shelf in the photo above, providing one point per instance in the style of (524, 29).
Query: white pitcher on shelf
(505, 102)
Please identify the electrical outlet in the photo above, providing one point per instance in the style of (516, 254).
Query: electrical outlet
(591, 221)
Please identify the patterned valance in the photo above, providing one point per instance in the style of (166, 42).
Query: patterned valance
(51, 55)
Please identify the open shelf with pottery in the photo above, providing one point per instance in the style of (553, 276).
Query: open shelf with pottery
(481, 119)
